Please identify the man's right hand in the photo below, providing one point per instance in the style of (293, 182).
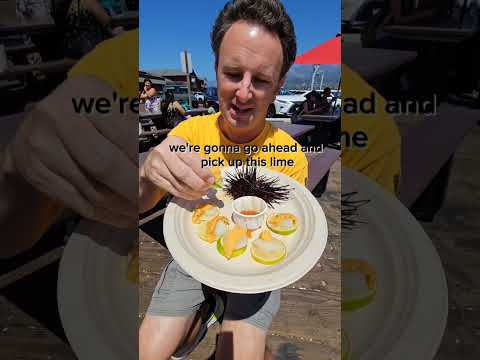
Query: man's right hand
(86, 161)
(180, 174)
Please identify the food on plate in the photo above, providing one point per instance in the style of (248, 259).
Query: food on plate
(214, 229)
(359, 284)
(268, 250)
(244, 181)
(282, 223)
(234, 243)
(204, 213)
(346, 346)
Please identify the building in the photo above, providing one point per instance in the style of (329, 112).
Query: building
(177, 77)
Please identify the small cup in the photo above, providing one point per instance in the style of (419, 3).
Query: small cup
(249, 203)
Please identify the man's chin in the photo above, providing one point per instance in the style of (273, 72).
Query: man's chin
(239, 122)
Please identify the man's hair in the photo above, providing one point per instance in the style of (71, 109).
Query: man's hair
(147, 80)
(267, 13)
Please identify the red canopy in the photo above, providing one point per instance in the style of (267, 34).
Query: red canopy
(327, 53)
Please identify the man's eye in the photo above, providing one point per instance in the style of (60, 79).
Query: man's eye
(262, 81)
(234, 75)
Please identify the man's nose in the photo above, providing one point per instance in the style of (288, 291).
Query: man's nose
(244, 92)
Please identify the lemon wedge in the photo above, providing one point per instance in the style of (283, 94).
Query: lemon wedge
(268, 250)
(359, 284)
(282, 223)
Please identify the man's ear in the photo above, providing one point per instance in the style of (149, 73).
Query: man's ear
(280, 85)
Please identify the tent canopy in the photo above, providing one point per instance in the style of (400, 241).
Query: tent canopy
(327, 53)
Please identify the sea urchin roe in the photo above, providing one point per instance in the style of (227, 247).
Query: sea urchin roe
(265, 235)
(232, 238)
(203, 211)
(213, 230)
(286, 219)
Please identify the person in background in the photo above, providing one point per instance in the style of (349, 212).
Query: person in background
(173, 112)
(86, 25)
(149, 97)
(311, 104)
(403, 12)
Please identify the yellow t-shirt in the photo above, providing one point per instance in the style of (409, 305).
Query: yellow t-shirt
(380, 158)
(204, 131)
(114, 61)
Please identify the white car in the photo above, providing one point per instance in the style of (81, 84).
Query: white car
(199, 96)
(286, 103)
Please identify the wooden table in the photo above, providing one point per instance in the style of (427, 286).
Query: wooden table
(128, 19)
(54, 66)
(45, 25)
(294, 130)
(428, 142)
(436, 34)
(22, 337)
(308, 324)
(370, 63)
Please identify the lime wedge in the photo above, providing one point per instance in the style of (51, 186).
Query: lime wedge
(361, 274)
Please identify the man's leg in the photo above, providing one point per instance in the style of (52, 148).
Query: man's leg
(172, 318)
(246, 322)
(160, 336)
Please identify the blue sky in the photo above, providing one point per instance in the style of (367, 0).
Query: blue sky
(168, 27)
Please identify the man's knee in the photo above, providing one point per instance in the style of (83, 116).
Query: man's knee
(160, 336)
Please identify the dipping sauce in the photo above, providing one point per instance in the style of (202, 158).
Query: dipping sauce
(249, 212)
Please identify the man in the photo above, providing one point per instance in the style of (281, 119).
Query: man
(254, 46)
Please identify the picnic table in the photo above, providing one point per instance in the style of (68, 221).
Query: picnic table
(428, 143)
(27, 27)
(294, 130)
(371, 63)
(127, 19)
(439, 34)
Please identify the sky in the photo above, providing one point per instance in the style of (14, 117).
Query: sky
(169, 27)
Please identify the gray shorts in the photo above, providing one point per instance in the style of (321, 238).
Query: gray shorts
(178, 294)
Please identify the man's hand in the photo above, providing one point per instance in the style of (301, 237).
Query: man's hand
(85, 161)
(180, 174)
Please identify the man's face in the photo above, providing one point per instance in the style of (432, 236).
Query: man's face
(248, 74)
(148, 86)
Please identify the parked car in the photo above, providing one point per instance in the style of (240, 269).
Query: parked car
(286, 104)
(199, 96)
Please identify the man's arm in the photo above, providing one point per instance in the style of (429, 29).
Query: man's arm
(148, 193)
(66, 158)
(25, 213)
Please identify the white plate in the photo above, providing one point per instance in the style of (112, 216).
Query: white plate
(98, 306)
(408, 316)
(243, 275)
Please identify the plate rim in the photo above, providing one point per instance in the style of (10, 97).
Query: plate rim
(431, 269)
(185, 260)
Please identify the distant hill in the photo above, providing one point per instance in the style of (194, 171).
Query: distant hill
(300, 77)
